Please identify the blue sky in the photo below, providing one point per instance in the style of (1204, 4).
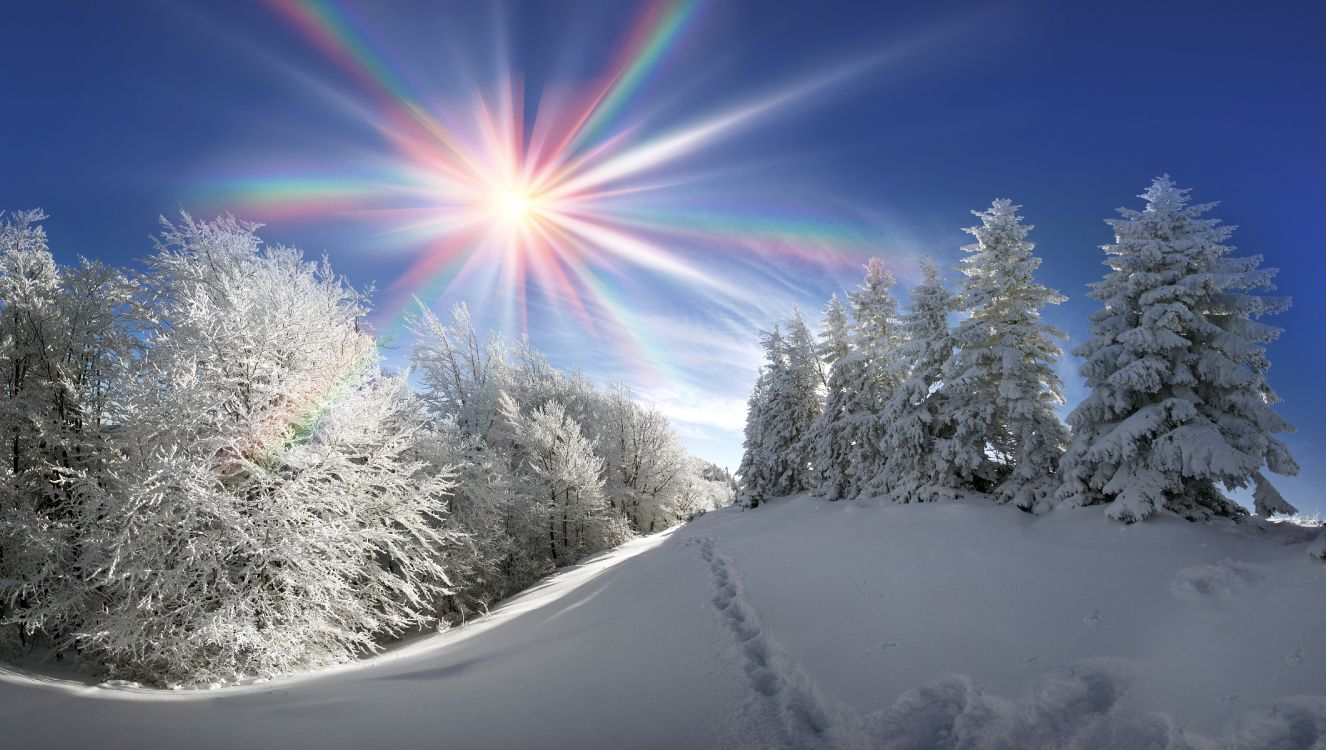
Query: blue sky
(805, 137)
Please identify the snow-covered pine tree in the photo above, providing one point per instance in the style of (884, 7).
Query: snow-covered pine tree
(835, 337)
(876, 334)
(909, 474)
(828, 442)
(997, 410)
(845, 447)
(783, 405)
(1177, 369)
(753, 471)
(796, 398)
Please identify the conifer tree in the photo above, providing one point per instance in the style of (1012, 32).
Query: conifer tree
(826, 447)
(776, 461)
(876, 334)
(1177, 366)
(1001, 434)
(910, 417)
(846, 438)
(754, 467)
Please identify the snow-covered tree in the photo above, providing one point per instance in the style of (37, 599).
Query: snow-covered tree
(1177, 368)
(648, 481)
(645, 464)
(784, 404)
(846, 437)
(835, 340)
(563, 478)
(824, 452)
(268, 509)
(1000, 432)
(876, 335)
(753, 471)
(64, 339)
(910, 417)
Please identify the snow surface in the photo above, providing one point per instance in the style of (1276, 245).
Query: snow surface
(811, 624)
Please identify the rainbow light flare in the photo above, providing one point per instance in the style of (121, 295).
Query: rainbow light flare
(572, 204)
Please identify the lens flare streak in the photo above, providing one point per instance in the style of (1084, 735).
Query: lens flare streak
(568, 204)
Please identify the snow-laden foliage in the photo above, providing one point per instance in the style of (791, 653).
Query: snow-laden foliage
(914, 411)
(1177, 366)
(999, 430)
(267, 508)
(207, 474)
(862, 378)
(827, 440)
(551, 467)
(910, 424)
(785, 404)
(65, 338)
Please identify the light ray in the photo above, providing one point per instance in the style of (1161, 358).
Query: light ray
(551, 204)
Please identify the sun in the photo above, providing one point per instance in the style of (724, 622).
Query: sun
(514, 206)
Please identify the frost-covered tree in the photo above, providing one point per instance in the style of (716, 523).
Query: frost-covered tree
(876, 334)
(648, 481)
(824, 452)
(269, 508)
(64, 339)
(753, 471)
(844, 440)
(910, 417)
(562, 477)
(835, 340)
(1177, 366)
(645, 464)
(1000, 432)
(784, 403)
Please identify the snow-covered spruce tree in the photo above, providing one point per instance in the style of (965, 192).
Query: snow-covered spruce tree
(909, 418)
(826, 453)
(845, 449)
(791, 401)
(835, 340)
(270, 510)
(1177, 369)
(753, 471)
(876, 335)
(64, 335)
(784, 403)
(1000, 432)
(798, 396)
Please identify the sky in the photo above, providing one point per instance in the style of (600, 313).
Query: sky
(641, 187)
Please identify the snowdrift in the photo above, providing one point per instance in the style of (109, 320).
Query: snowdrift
(806, 624)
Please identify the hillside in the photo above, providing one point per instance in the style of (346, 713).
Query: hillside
(810, 624)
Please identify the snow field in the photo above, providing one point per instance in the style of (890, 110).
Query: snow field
(807, 624)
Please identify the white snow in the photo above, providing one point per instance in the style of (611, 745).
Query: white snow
(810, 624)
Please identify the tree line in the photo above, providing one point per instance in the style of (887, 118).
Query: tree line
(207, 473)
(909, 407)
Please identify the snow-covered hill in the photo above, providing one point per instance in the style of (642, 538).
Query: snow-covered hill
(811, 624)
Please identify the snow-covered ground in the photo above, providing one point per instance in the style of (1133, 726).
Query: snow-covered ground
(810, 624)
